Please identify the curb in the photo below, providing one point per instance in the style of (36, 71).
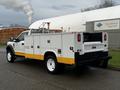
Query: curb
(114, 68)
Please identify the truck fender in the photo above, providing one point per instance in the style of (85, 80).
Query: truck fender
(50, 51)
(9, 47)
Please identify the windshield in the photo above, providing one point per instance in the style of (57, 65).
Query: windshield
(22, 35)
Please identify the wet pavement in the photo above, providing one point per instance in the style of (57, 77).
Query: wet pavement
(31, 75)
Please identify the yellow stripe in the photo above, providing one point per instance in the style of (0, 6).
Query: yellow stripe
(66, 60)
(19, 53)
(63, 60)
(34, 56)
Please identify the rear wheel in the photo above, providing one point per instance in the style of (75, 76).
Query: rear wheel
(10, 56)
(105, 63)
(52, 65)
(101, 63)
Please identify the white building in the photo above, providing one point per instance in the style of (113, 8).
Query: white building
(77, 22)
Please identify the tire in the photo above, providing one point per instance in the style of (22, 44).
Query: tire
(52, 66)
(101, 63)
(10, 56)
(105, 63)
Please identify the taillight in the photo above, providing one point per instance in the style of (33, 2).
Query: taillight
(79, 38)
(105, 37)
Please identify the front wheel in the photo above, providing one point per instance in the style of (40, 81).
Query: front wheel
(10, 56)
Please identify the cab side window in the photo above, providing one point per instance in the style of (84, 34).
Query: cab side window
(21, 37)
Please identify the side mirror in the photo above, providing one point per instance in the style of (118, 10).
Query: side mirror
(12, 39)
(16, 40)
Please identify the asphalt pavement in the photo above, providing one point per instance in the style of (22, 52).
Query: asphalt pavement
(31, 75)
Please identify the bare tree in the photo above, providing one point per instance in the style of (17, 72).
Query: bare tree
(103, 4)
(107, 3)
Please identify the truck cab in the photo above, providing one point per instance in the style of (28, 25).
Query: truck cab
(16, 45)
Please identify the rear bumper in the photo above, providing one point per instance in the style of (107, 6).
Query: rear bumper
(91, 57)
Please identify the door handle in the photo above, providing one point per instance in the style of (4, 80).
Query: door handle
(38, 46)
(31, 46)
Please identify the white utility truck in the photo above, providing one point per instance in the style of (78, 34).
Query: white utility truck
(59, 49)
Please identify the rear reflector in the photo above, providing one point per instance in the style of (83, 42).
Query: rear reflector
(105, 37)
(79, 38)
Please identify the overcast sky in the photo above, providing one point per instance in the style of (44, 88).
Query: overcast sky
(45, 9)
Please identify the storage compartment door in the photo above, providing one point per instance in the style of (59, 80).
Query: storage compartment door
(68, 49)
(29, 48)
(37, 48)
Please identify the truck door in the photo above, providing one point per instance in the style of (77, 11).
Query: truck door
(19, 43)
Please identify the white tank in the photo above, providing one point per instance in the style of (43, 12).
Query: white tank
(77, 22)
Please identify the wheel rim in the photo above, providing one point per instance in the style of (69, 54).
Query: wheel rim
(9, 56)
(51, 65)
